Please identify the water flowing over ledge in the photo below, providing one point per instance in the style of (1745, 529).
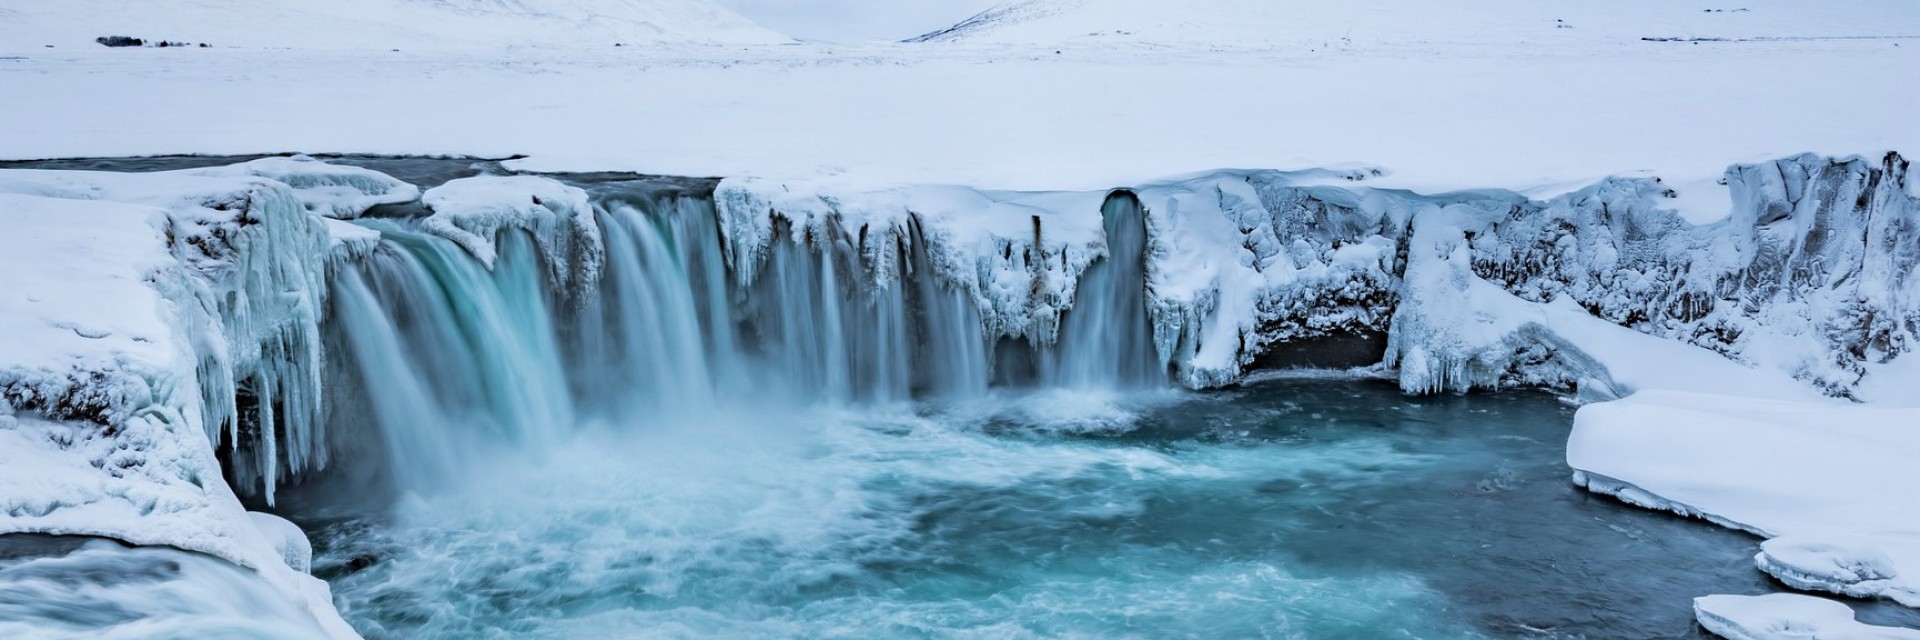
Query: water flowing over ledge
(500, 311)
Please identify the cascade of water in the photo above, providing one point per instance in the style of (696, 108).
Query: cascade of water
(414, 428)
(1107, 339)
(644, 345)
(952, 358)
(830, 340)
(453, 357)
(449, 355)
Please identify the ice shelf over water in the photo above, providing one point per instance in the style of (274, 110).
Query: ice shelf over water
(230, 316)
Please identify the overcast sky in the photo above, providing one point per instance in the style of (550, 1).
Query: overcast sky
(858, 19)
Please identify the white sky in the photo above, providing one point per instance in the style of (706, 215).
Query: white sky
(852, 20)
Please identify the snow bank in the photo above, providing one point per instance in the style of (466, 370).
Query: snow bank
(149, 317)
(1829, 483)
(333, 191)
(258, 257)
(1783, 616)
(473, 211)
(88, 333)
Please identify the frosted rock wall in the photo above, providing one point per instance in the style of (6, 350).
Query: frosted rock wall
(1811, 272)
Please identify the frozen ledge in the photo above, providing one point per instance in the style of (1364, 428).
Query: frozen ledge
(1784, 616)
(1830, 484)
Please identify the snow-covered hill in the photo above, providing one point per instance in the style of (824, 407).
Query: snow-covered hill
(381, 24)
(1309, 23)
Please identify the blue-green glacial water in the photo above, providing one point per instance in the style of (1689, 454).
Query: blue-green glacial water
(1283, 509)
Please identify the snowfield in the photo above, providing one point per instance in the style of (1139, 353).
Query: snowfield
(378, 24)
(1346, 25)
(1511, 193)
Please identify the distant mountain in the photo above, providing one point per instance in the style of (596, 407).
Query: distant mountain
(1336, 23)
(355, 24)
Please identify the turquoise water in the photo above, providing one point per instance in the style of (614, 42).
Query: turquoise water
(1286, 509)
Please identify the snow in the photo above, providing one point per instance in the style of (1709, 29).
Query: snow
(1782, 616)
(136, 305)
(60, 336)
(287, 538)
(1827, 482)
(1412, 23)
(378, 24)
(473, 211)
(1557, 110)
(1002, 118)
(334, 191)
(1018, 254)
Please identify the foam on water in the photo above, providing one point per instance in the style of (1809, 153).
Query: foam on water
(1296, 509)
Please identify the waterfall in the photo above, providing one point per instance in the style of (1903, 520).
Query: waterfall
(446, 359)
(952, 360)
(1107, 340)
(448, 356)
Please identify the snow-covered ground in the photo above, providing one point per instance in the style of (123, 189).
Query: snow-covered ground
(1307, 23)
(1528, 116)
(376, 24)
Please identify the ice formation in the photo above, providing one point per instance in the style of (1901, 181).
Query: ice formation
(256, 327)
(1824, 481)
(1784, 616)
(151, 311)
(331, 190)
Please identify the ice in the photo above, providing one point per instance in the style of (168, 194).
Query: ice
(287, 538)
(1858, 565)
(331, 190)
(1826, 482)
(1782, 616)
(1018, 254)
(148, 316)
(473, 211)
